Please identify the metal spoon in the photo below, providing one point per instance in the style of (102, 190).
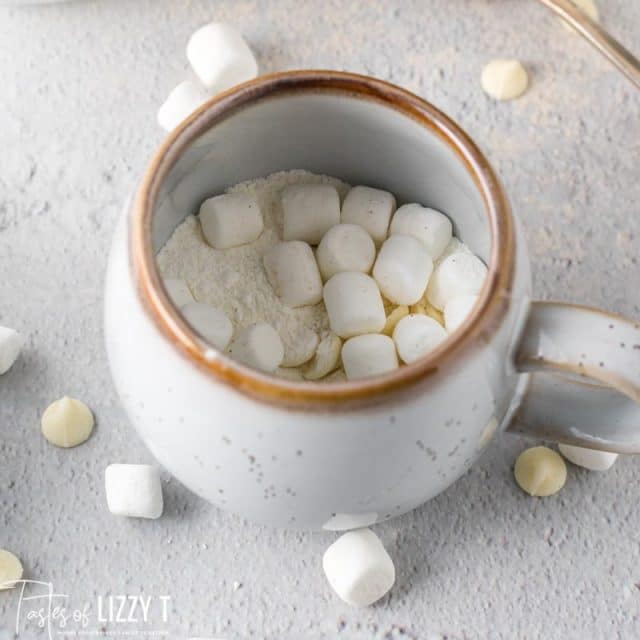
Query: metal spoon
(591, 31)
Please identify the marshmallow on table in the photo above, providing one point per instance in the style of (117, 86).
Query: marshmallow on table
(309, 210)
(326, 358)
(178, 291)
(345, 247)
(359, 568)
(10, 345)
(354, 304)
(180, 104)
(429, 226)
(211, 323)
(10, 569)
(220, 57)
(230, 220)
(415, 335)
(258, 346)
(67, 422)
(460, 274)
(371, 209)
(588, 458)
(504, 79)
(293, 273)
(402, 269)
(540, 471)
(456, 311)
(369, 355)
(133, 490)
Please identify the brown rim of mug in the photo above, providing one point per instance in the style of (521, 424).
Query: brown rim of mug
(479, 326)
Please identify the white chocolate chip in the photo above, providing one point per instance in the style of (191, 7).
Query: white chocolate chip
(402, 269)
(258, 346)
(393, 318)
(326, 358)
(309, 210)
(358, 568)
(371, 209)
(369, 355)
(456, 311)
(302, 348)
(10, 345)
(10, 569)
(458, 275)
(180, 104)
(178, 291)
(588, 458)
(540, 471)
(416, 335)
(67, 422)
(133, 490)
(220, 57)
(293, 273)
(345, 247)
(504, 79)
(354, 304)
(230, 220)
(211, 323)
(431, 227)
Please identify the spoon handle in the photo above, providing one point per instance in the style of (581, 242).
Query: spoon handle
(591, 31)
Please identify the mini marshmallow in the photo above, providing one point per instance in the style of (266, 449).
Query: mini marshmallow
(302, 349)
(10, 345)
(180, 104)
(258, 346)
(326, 358)
(293, 273)
(310, 210)
(345, 247)
(211, 323)
(393, 318)
(358, 568)
(220, 57)
(133, 490)
(402, 269)
(371, 209)
(540, 471)
(429, 226)
(354, 304)
(179, 292)
(504, 79)
(230, 220)
(455, 246)
(416, 335)
(456, 311)
(460, 274)
(588, 458)
(369, 355)
(67, 422)
(10, 569)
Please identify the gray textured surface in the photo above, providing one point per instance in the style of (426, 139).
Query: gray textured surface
(80, 86)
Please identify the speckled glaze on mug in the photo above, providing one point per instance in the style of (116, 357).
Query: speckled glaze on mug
(342, 455)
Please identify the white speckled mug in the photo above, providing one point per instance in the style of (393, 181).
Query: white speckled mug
(341, 455)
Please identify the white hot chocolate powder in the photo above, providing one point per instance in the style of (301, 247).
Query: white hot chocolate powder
(234, 280)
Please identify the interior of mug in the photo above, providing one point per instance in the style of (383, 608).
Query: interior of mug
(350, 137)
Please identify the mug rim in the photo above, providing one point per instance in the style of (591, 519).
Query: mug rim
(479, 326)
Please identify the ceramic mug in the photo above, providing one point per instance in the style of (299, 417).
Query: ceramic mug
(348, 454)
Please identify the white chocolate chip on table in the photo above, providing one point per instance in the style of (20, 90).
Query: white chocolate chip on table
(309, 211)
(259, 347)
(591, 459)
(358, 568)
(293, 273)
(326, 358)
(371, 209)
(10, 569)
(181, 102)
(212, 324)
(134, 490)
(230, 220)
(67, 422)
(345, 247)
(10, 345)
(369, 355)
(540, 471)
(431, 227)
(416, 335)
(504, 79)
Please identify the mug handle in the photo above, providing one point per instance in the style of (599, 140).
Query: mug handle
(585, 387)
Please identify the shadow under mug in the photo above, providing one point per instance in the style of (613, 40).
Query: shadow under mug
(348, 454)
